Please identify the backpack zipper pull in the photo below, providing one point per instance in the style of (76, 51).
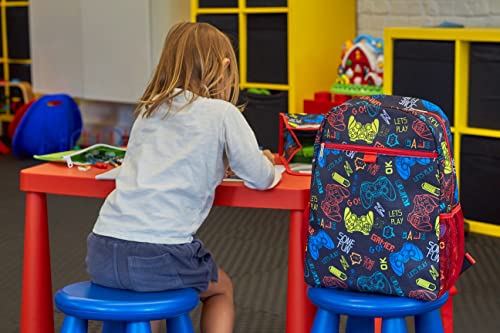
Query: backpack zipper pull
(321, 150)
(370, 158)
(68, 160)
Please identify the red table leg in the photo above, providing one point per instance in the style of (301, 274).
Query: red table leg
(299, 310)
(36, 305)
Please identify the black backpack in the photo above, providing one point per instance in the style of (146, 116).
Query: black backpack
(384, 210)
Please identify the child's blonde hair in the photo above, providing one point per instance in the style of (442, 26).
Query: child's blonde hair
(192, 59)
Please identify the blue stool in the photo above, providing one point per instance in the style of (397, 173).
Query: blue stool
(124, 310)
(363, 308)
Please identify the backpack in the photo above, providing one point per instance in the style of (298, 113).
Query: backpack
(384, 211)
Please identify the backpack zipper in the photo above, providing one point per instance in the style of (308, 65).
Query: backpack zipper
(376, 150)
(447, 139)
(443, 126)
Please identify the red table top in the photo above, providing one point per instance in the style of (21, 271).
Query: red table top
(292, 193)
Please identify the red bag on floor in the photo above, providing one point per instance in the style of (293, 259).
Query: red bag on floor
(17, 119)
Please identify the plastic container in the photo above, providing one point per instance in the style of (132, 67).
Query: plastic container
(52, 124)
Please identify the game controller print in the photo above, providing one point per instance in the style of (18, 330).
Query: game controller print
(376, 282)
(404, 163)
(336, 117)
(423, 295)
(399, 259)
(419, 217)
(362, 223)
(382, 187)
(366, 132)
(334, 282)
(320, 240)
(421, 129)
(373, 110)
(335, 194)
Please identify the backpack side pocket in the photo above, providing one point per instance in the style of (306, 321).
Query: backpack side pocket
(451, 242)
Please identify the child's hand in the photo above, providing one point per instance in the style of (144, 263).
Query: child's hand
(229, 173)
(270, 156)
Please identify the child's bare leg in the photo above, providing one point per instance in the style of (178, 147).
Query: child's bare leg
(217, 315)
(155, 326)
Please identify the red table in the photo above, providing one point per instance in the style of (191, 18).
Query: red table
(292, 194)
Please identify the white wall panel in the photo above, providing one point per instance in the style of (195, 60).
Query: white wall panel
(56, 46)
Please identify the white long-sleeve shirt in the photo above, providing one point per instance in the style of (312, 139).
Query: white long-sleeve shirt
(167, 181)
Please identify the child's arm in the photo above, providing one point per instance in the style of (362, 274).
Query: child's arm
(270, 156)
(243, 153)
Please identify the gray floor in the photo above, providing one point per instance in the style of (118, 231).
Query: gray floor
(251, 245)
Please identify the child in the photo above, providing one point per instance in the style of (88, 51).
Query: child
(186, 134)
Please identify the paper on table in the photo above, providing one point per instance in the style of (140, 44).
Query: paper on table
(278, 170)
(110, 174)
(301, 167)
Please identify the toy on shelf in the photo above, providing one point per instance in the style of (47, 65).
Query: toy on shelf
(95, 134)
(14, 94)
(361, 69)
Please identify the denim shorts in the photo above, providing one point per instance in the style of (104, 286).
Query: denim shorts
(147, 267)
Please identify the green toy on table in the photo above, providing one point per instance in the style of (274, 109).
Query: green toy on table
(98, 155)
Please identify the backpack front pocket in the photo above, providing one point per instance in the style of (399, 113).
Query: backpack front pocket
(380, 207)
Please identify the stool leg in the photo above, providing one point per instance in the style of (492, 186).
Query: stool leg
(378, 325)
(359, 324)
(181, 324)
(113, 327)
(138, 327)
(74, 325)
(325, 322)
(429, 322)
(394, 325)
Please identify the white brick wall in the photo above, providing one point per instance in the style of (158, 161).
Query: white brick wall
(374, 15)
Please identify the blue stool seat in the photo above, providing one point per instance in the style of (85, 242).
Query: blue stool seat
(124, 310)
(362, 308)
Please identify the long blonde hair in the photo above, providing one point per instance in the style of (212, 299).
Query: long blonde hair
(192, 59)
